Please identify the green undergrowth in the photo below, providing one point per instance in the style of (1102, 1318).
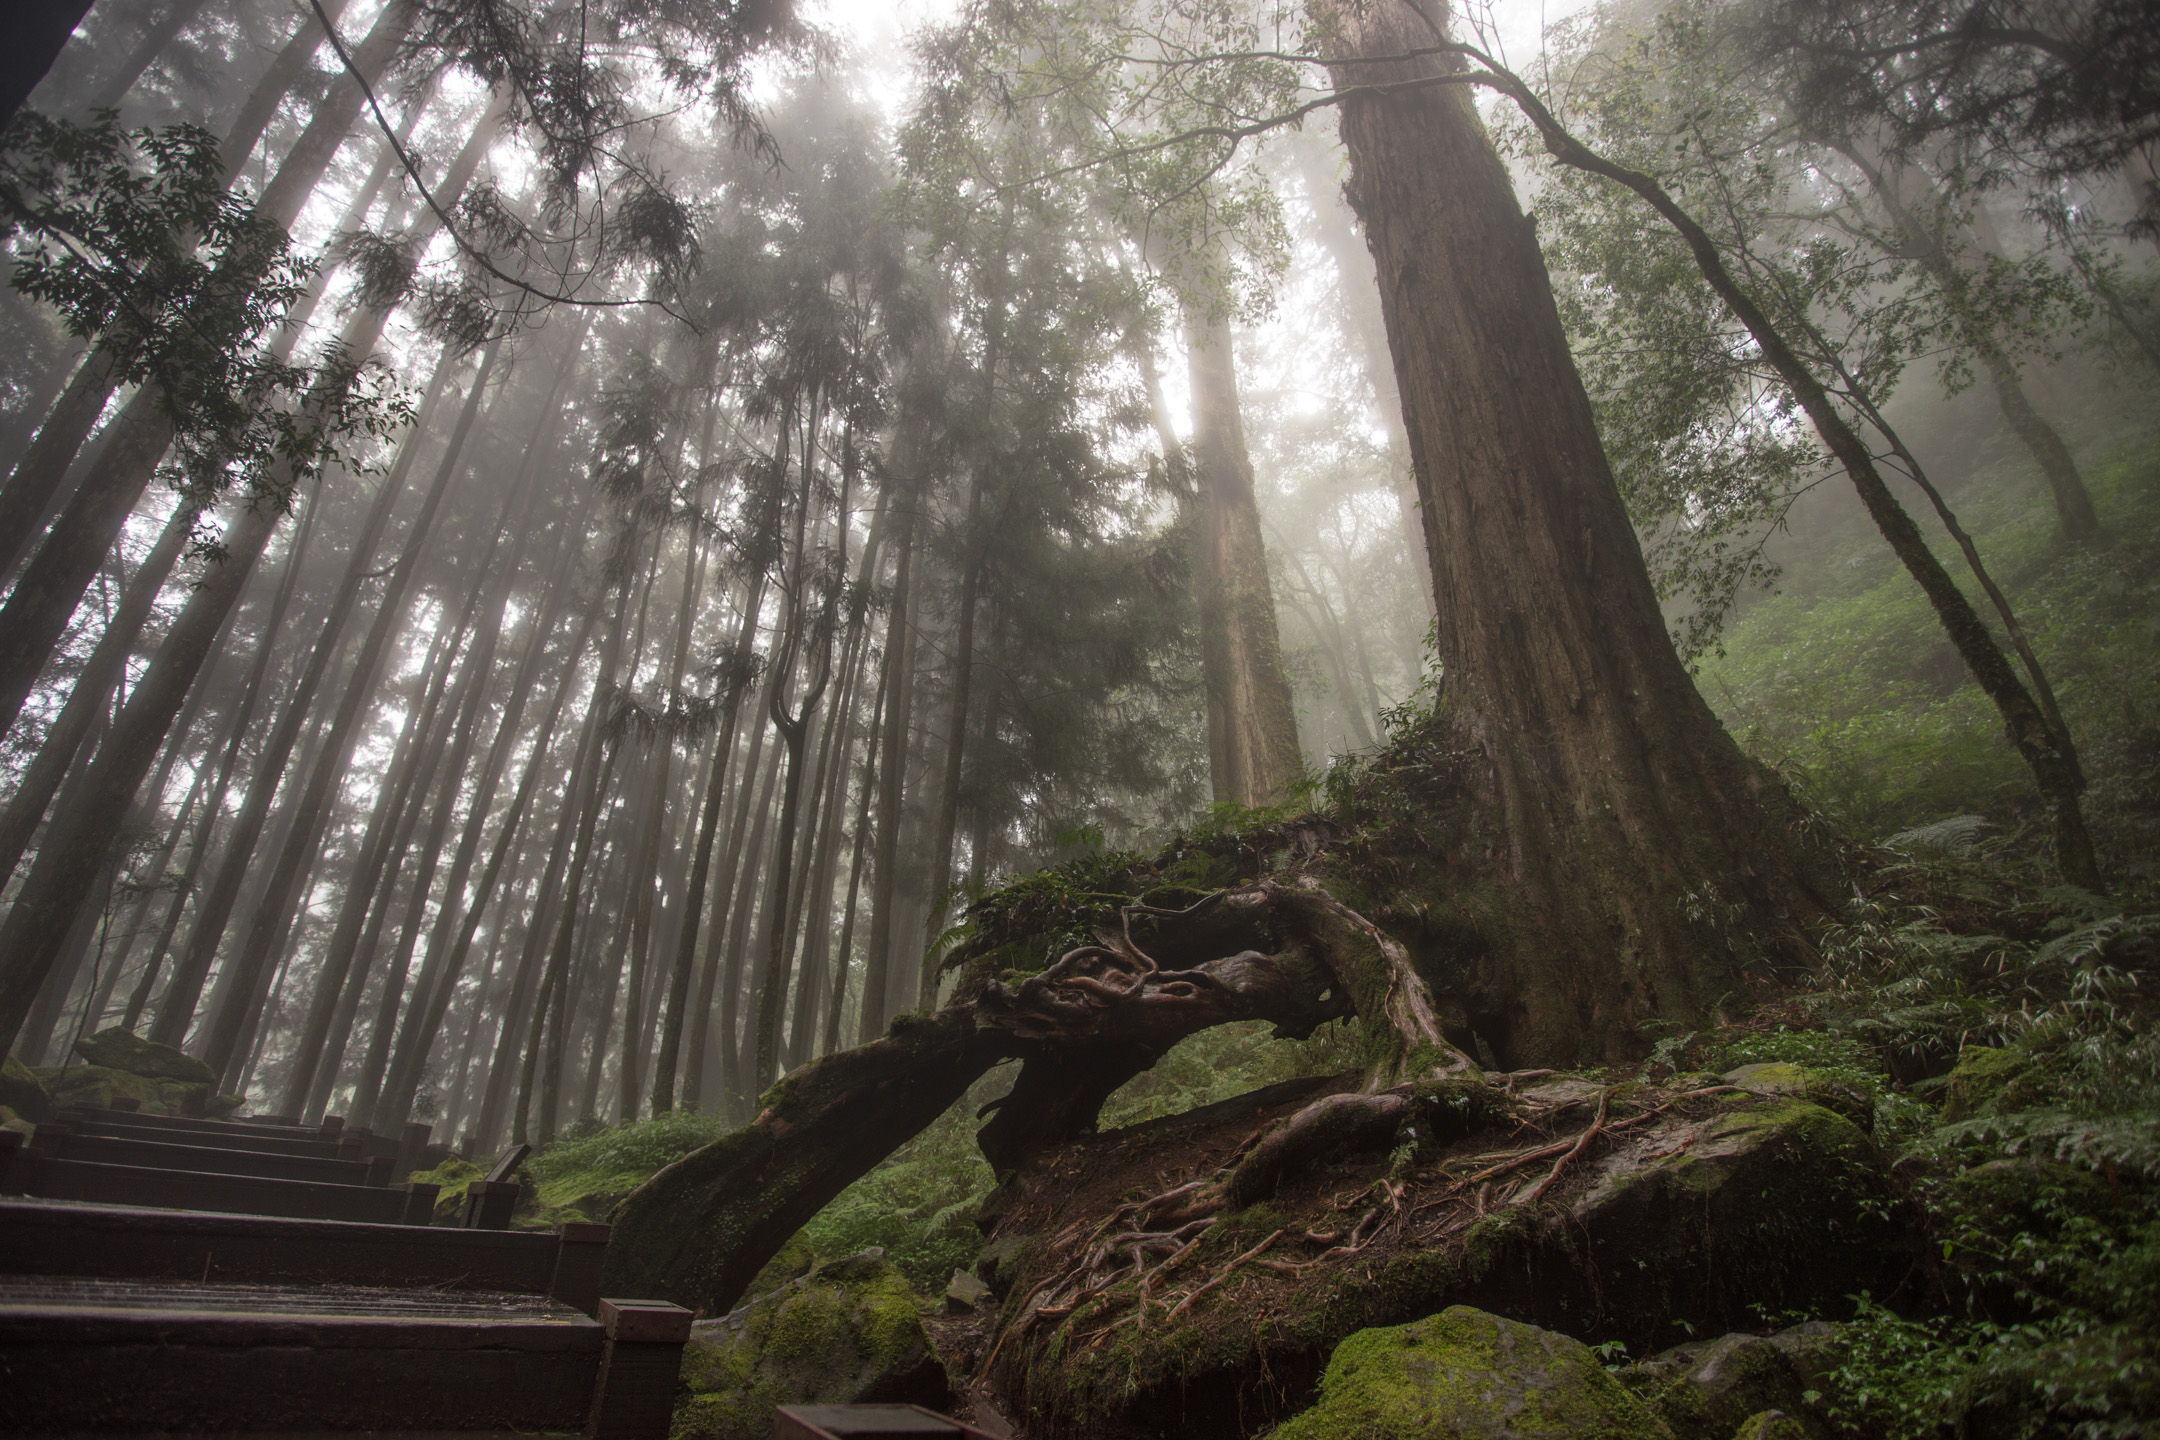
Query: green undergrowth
(586, 1173)
(2014, 1072)
(1846, 683)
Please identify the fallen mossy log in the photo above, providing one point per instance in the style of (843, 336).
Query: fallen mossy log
(699, 1231)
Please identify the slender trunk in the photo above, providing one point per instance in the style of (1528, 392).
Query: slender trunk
(736, 1047)
(39, 475)
(93, 688)
(899, 680)
(466, 706)
(1249, 703)
(440, 780)
(546, 1053)
(155, 38)
(89, 813)
(238, 727)
(520, 995)
(311, 807)
(646, 873)
(445, 959)
(1900, 188)
(177, 1009)
(52, 584)
(697, 1024)
(859, 851)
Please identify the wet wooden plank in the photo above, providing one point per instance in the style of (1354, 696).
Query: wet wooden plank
(62, 1142)
(46, 1177)
(119, 1242)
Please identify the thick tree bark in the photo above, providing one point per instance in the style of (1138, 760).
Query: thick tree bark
(1610, 801)
(1252, 722)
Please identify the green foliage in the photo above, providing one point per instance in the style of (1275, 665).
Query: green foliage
(1841, 684)
(135, 239)
(919, 1204)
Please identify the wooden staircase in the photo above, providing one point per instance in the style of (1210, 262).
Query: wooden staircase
(171, 1277)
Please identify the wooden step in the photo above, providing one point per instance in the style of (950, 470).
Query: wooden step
(84, 1122)
(89, 1356)
(51, 1178)
(215, 1127)
(117, 1242)
(64, 1142)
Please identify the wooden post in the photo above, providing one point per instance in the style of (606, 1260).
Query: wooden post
(410, 1144)
(640, 1370)
(420, 1203)
(489, 1204)
(581, 1249)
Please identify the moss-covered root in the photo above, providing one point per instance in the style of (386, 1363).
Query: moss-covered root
(1463, 1374)
(1391, 996)
(699, 1231)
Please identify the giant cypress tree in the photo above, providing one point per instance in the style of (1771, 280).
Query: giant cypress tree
(1587, 849)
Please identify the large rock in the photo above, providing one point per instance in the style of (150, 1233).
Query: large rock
(1988, 1082)
(1781, 1078)
(1777, 1204)
(118, 1049)
(848, 1332)
(1706, 1390)
(1467, 1375)
(22, 1092)
(97, 1087)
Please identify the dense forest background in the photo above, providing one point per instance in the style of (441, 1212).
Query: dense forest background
(541, 585)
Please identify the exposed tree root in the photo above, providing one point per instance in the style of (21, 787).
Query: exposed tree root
(1103, 1012)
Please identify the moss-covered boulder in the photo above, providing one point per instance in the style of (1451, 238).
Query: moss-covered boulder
(450, 1179)
(1704, 1391)
(97, 1087)
(1467, 1375)
(1782, 1078)
(1775, 1205)
(1771, 1425)
(22, 1092)
(1986, 1082)
(848, 1332)
(118, 1049)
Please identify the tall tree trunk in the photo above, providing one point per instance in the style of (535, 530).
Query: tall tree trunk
(238, 727)
(89, 813)
(1608, 796)
(93, 688)
(311, 807)
(899, 679)
(445, 957)
(859, 851)
(1252, 722)
(155, 37)
(735, 679)
(177, 1010)
(52, 584)
(1916, 210)
(1361, 321)
(736, 1047)
(38, 477)
(646, 873)
(36, 36)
